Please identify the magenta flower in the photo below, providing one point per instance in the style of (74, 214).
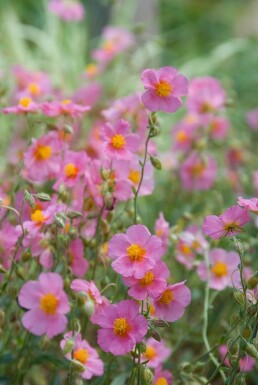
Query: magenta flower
(171, 304)
(135, 252)
(164, 89)
(252, 119)
(85, 354)
(162, 231)
(246, 363)
(64, 107)
(156, 353)
(223, 265)
(227, 224)
(197, 173)
(162, 377)
(118, 142)
(122, 327)
(24, 106)
(47, 303)
(79, 265)
(151, 285)
(219, 127)
(71, 10)
(249, 204)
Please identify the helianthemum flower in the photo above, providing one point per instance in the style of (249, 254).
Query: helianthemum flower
(171, 304)
(164, 89)
(85, 355)
(47, 303)
(122, 327)
(135, 252)
(156, 352)
(227, 224)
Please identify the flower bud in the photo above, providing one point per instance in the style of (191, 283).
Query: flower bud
(68, 129)
(2, 269)
(153, 118)
(247, 332)
(160, 323)
(2, 317)
(238, 246)
(142, 347)
(155, 162)
(73, 214)
(69, 345)
(26, 255)
(155, 334)
(251, 350)
(232, 347)
(77, 366)
(252, 310)
(29, 199)
(235, 318)
(146, 375)
(252, 281)
(73, 233)
(109, 200)
(19, 271)
(59, 221)
(43, 197)
(63, 194)
(239, 297)
(240, 379)
(105, 174)
(154, 131)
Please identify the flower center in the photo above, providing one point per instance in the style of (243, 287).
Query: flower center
(42, 152)
(118, 141)
(167, 297)
(195, 245)
(159, 232)
(49, 303)
(147, 279)
(91, 69)
(66, 101)
(134, 176)
(25, 102)
(121, 327)
(206, 107)
(185, 249)
(161, 381)
(163, 89)
(150, 352)
(108, 46)
(37, 216)
(220, 269)
(181, 136)
(231, 226)
(34, 88)
(135, 252)
(197, 169)
(81, 355)
(71, 171)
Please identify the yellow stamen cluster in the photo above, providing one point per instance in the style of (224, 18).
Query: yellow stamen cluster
(70, 170)
(167, 297)
(25, 102)
(147, 279)
(118, 141)
(150, 353)
(81, 355)
(42, 152)
(34, 89)
(181, 136)
(161, 381)
(219, 269)
(134, 176)
(121, 327)
(49, 303)
(163, 89)
(135, 252)
(38, 216)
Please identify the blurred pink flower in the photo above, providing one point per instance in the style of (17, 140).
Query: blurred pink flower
(85, 354)
(47, 303)
(156, 353)
(25, 105)
(68, 10)
(250, 204)
(246, 363)
(162, 231)
(122, 327)
(79, 265)
(223, 264)
(64, 107)
(135, 252)
(227, 224)
(252, 119)
(170, 305)
(164, 89)
(162, 377)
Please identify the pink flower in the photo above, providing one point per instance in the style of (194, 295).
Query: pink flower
(72, 169)
(227, 224)
(156, 353)
(164, 89)
(197, 173)
(184, 135)
(246, 363)
(65, 107)
(162, 377)
(250, 204)
(255, 181)
(85, 354)
(170, 305)
(122, 327)
(223, 265)
(92, 294)
(151, 285)
(252, 119)
(43, 157)
(24, 106)
(118, 142)
(71, 10)
(79, 264)
(162, 231)
(47, 303)
(219, 127)
(206, 95)
(135, 252)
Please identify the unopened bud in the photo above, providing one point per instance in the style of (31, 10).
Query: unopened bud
(59, 221)
(105, 174)
(69, 345)
(63, 194)
(252, 310)
(160, 323)
(2, 269)
(251, 350)
(73, 233)
(19, 271)
(153, 118)
(247, 332)
(142, 347)
(110, 216)
(238, 246)
(186, 367)
(232, 347)
(239, 297)
(146, 375)
(155, 334)
(77, 366)
(155, 162)
(29, 199)
(73, 214)
(235, 318)
(68, 129)
(252, 281)
(109, 200)
(154, 131)
(26, 255)
(43, 197)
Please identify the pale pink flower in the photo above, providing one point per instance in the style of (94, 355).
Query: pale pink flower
(79, 265)
(156, 353)
(151, 285)
(68, 10)
(162, 377)
(164, 89)
(252, 119)
(250, 204)
(85, 354)
(118, 142)
(198, 173)
(246, 363)
(47, 303)
(219, 126)
(227, 224)
(122, 327)
(170, 305)
(64, 107)
(222, 266)
(184, 136)
(206, 95)
(25, 105)
(255, 181)
(162, 231)
(135, 252)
